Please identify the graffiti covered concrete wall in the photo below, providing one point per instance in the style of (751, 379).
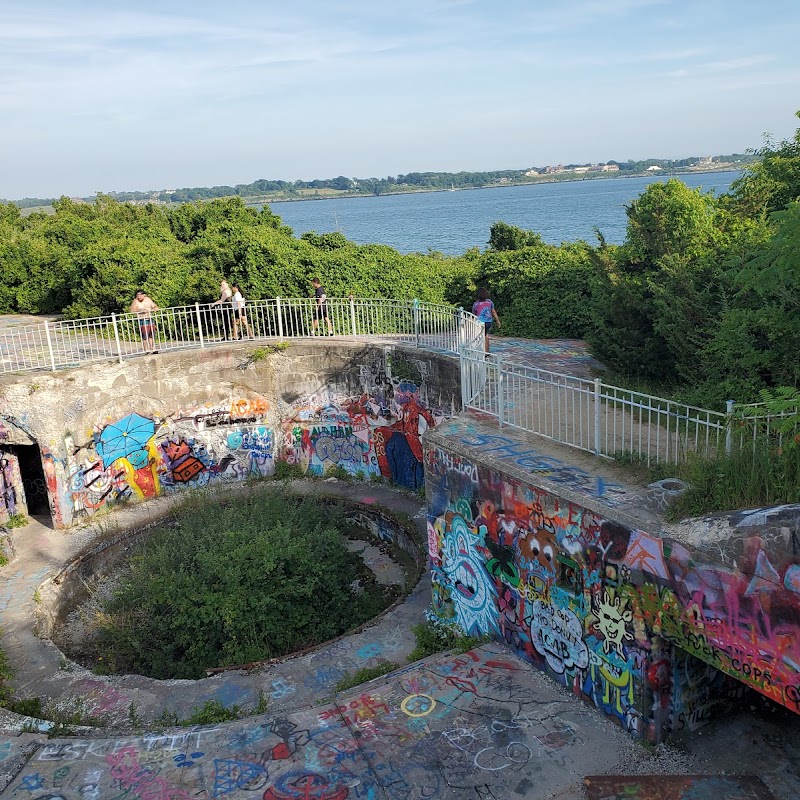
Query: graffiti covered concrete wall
(111, 433)
(376, 430)
(650, 631)
(12, 493)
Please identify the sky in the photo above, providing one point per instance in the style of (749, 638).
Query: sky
(113, 95)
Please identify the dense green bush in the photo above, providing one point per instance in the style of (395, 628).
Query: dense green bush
(540, 290)
(234, 583)
(88, 259)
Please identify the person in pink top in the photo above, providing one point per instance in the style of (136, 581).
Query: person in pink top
(483, 308)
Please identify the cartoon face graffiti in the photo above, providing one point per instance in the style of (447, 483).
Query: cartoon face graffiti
(612, 618)
(473, 593)
(538, 556)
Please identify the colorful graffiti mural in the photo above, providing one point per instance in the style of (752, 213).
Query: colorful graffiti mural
(139, 457)
(11, 499)
(136, 456)
(640, 626)
(375, 434)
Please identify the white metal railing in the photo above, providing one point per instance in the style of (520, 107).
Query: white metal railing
(753, 423)
(589, 415)
(608, 420)
(69, 343)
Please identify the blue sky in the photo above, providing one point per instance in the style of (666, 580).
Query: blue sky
(114, 96)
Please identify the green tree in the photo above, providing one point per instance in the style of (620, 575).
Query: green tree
(503, 236)
(772, 182)
(671, 235)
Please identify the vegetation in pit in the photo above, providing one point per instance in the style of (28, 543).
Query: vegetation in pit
(229, 584)
(435, 637)
(348, 681)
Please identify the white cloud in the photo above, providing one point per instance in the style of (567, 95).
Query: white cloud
(93, 95)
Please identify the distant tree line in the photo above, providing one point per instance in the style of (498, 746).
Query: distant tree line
(431, 181)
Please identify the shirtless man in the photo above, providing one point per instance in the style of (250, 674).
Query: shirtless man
(144, 307)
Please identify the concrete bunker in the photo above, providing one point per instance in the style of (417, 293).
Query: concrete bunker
(657, 631)
(114, 433)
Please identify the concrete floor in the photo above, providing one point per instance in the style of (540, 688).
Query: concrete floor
(481, 724)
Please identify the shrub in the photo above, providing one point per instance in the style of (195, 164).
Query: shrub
(434, 637)
(348, 681)
(231, 584)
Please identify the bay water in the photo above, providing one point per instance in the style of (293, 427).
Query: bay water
(451, 222)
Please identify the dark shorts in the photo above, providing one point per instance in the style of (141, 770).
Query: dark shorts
(487, 327)
(321, 312)
(146, 328)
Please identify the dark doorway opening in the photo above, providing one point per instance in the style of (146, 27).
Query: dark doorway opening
(33, 480)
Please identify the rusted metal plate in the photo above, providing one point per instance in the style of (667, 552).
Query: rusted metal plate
(675, 787)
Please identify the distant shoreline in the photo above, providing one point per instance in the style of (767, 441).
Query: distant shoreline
(252, 201)
(259, 200)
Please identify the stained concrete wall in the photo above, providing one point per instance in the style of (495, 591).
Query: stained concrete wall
(656, 631)
(123, 432)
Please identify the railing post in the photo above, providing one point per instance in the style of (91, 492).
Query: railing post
(464, 365)
(598, 383)
(415, 311)
(50, 346)
(279, 312)
(729, 427)
(461, 327)
(501, 400)
(199, 324)
(116, 337)
(353, 317)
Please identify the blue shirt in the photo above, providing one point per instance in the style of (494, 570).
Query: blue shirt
(482, 309)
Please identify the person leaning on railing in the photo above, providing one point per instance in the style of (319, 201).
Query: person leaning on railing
(144, 307)
(225, 296)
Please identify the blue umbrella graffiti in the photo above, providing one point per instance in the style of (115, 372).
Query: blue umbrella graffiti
(126, 438)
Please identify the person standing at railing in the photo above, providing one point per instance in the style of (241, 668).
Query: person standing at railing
(225, 296)
(238, 314)
(144, 307)
(321, 307)
(483, 308)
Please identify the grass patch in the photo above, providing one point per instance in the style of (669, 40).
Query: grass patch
(750, 476)
(212, 712)
(338, 472)
(288, 472)
(260, 353)
(432, 638)
(348, 681)
(16, 521)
